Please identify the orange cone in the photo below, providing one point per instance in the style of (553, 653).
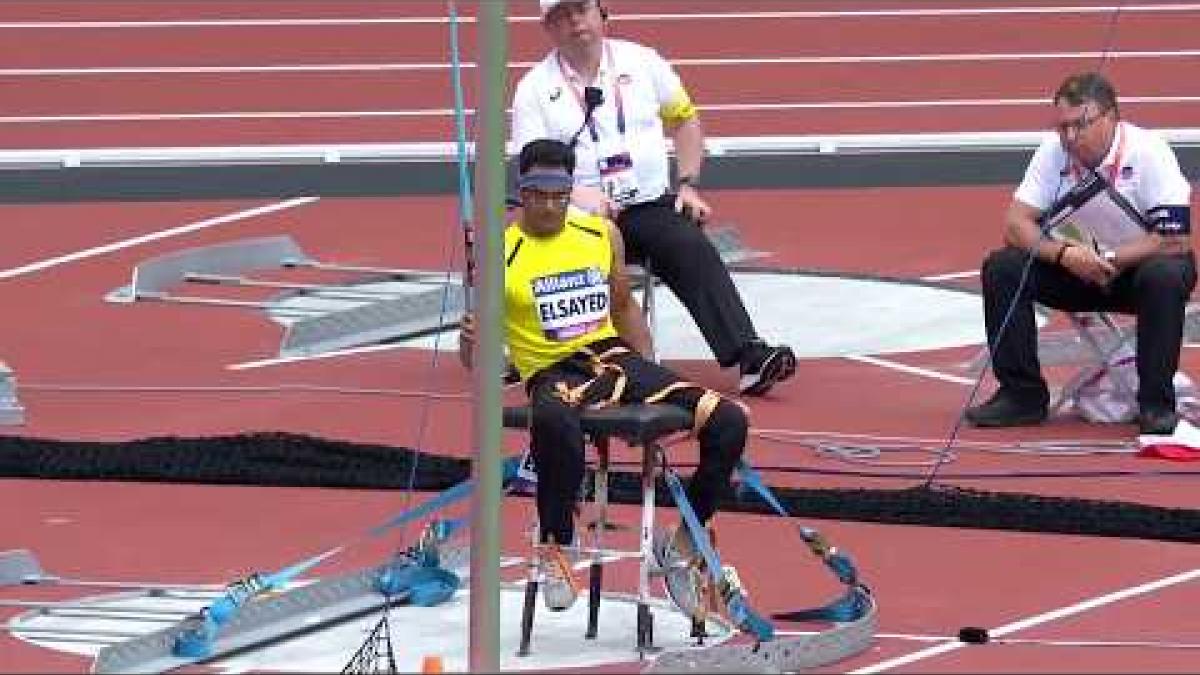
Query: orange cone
(432, 663)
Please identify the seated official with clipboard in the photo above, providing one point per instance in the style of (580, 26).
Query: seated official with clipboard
(1095, 216)
(1100, 222)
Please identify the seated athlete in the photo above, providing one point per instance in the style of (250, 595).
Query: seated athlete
(577, 337)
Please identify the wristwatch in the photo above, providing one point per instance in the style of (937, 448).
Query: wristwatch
(687, 180)
(1110, 257)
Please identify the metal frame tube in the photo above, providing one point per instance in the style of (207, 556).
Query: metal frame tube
(484, 641)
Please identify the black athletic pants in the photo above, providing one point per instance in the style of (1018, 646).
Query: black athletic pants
(678, 252)
(1156, 291)
(556, 439)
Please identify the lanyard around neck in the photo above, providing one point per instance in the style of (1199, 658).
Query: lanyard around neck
(1114, 168)
(574, 81)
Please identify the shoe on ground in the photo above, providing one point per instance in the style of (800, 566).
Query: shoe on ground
(762, 366)
(1004, 409)
(559, 588)
(1153, 421)
(682, 570)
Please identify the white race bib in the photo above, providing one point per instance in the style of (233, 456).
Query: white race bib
(570, 304)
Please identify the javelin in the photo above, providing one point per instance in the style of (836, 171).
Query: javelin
(464, 178)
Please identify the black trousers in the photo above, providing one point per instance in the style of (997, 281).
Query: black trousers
(556, 438)
(1156, 291)
(679, 253)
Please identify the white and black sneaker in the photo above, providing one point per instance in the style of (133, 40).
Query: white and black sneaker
(682, 572)
(762, 366)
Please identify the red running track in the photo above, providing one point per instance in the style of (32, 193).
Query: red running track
(930, 580)
(952, 75)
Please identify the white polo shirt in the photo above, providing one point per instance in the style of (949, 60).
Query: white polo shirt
(638, 86)
(1140, 165)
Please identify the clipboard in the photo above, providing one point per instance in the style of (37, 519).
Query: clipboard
(1094, 214)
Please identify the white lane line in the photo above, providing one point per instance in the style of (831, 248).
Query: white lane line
(914, 12)
(911, 370)
(937, 103)
(933, 58)
(447, 112)
(524, 65)
(632, 17)
(951, 276)
(1046, 642)
(153, 236)
(1036, 620)
(262, 363)
(283, 114)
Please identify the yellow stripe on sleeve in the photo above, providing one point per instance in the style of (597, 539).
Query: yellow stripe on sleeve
(678, 110)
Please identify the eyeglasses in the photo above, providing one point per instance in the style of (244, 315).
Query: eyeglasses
(1079, 124)
(558, 200)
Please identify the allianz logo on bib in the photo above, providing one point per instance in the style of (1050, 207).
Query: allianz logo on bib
(566, 281)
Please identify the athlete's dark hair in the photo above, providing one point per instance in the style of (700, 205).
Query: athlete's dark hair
(546, 153)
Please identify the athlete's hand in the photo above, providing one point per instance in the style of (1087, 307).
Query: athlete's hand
(466, 339)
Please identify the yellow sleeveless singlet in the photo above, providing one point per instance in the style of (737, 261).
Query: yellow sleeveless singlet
(556, 293)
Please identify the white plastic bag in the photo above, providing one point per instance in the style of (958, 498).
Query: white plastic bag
(1101, 400)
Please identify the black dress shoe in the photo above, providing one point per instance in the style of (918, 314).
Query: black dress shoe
(1159, 422)
(1006, 410)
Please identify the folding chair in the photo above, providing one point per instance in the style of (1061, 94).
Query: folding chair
(641, 274)
(1103, 342)
(1096, 341)
(11, 410)
(727, 239)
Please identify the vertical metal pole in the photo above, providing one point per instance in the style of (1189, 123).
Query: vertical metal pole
(645, 619)
(492, 30)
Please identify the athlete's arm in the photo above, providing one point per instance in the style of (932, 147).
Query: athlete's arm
(627, 315)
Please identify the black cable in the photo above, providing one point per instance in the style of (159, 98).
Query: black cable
(960, 475)
(945, 452)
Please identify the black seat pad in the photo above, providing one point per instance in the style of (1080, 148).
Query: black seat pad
(637, 423)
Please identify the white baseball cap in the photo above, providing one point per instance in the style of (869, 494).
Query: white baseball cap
(549, 5)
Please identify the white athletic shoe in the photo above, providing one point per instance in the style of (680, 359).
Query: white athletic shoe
(682, 572)
(559, 588)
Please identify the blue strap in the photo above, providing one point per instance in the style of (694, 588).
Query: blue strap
(738, 609)
(444, 499)
(751, 477)
(416, 576)
(196, 640)
(855, 602)
(240, 592)
(853, 605)
(437, 503)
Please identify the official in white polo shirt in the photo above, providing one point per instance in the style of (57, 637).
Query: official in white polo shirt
(1147, 269)
(618, 102)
